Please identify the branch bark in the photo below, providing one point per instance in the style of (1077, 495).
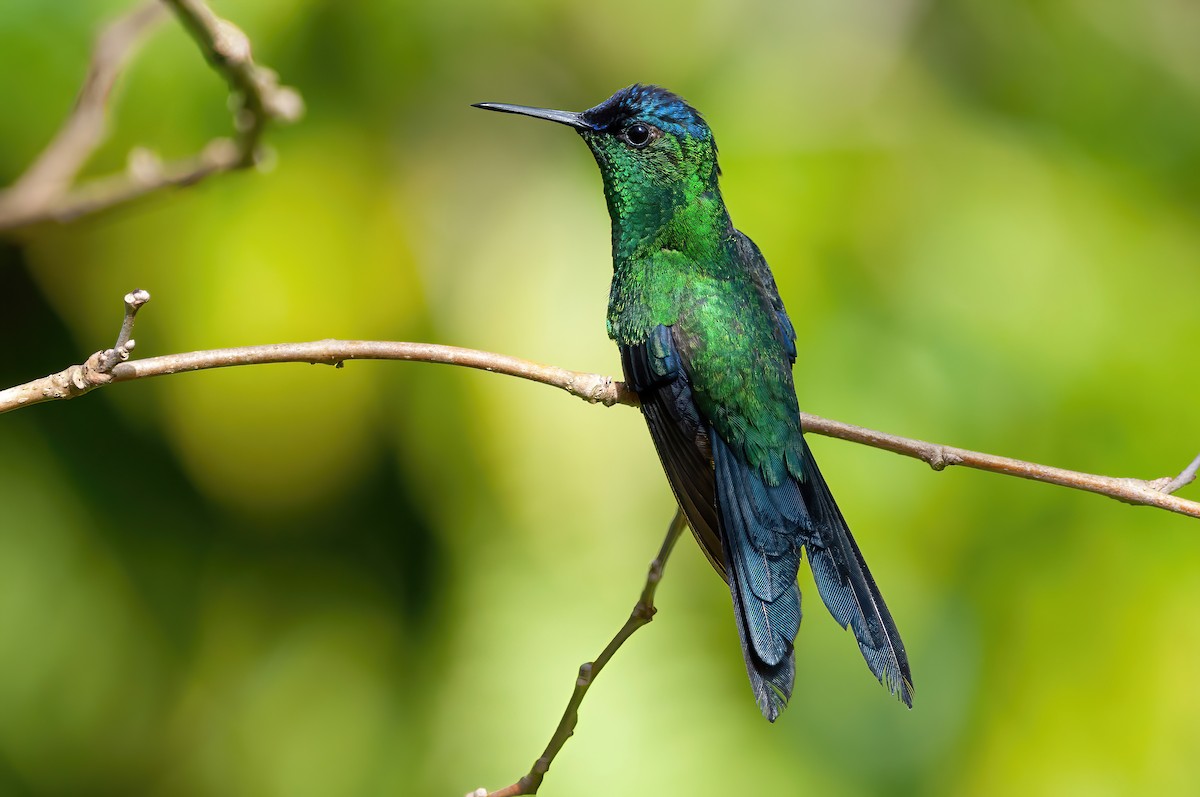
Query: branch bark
(45, 191)
(593, 388)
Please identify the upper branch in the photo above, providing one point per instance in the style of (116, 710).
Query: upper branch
(46, 191)
(52, 174)
(103, 367)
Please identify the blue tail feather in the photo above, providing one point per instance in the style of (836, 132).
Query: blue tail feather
(762, 558)
(764, 526)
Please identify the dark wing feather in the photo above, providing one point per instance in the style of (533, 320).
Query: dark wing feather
(653, 371)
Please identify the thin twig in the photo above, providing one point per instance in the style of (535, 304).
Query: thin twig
(119, 353)
(45, 193)
(146, 175)
(643, 612)
(1185, 477)
(594, 388)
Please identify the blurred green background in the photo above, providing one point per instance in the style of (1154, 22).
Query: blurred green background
(290, 580)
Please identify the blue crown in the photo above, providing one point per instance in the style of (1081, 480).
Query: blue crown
(667, 111)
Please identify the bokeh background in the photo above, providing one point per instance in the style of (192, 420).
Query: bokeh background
(291, 580)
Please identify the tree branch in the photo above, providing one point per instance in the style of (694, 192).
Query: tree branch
(643, 612)
(593, 388)
(45, 193)
(113, 365)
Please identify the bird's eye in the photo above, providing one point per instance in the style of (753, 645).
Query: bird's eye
(638, 134)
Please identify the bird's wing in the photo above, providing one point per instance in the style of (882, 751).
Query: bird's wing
(758, 551)
(652, 370)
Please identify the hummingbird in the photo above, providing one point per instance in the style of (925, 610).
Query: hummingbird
(708, 348)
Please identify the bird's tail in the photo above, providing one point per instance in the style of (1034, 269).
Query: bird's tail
(764, 528)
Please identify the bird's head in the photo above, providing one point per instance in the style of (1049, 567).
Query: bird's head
(646, 140)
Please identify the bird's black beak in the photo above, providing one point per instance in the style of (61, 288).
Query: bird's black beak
(568, 118)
